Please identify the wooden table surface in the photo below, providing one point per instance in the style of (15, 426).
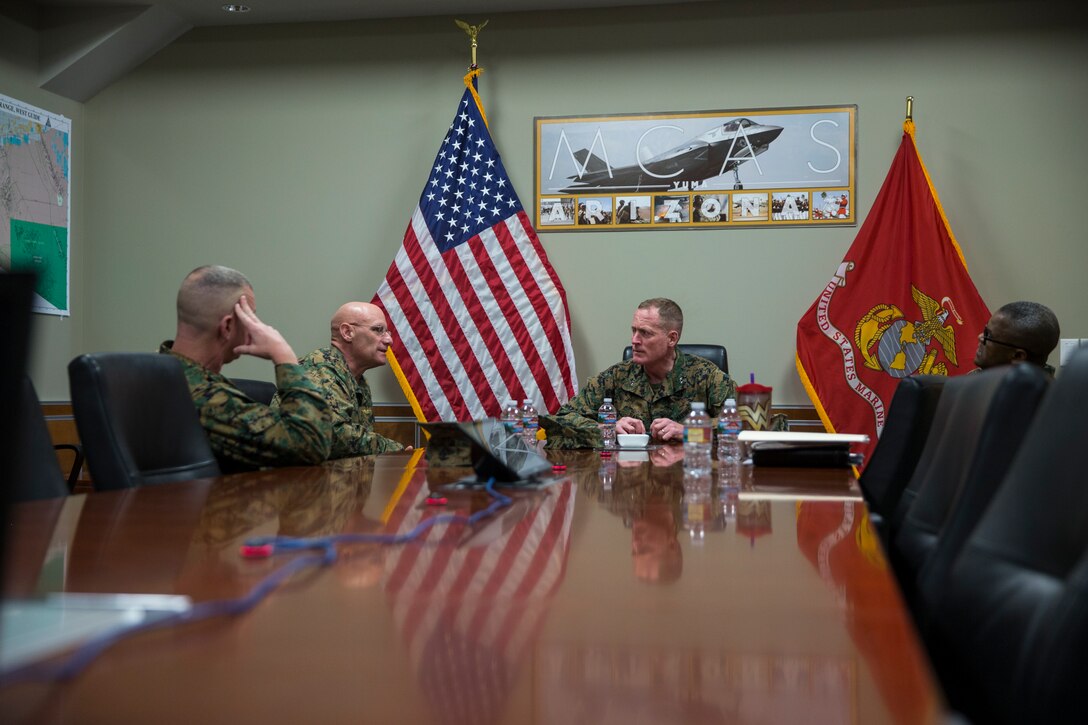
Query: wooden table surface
(624, 593)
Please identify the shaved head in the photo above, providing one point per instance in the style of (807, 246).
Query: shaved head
(360, 331)
(208, 293)
(359, 313)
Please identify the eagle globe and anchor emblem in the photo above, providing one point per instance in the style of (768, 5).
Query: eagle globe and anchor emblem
(888, 341)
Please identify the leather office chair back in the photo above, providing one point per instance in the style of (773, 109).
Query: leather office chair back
(1010, 633)
(895, 457)
(137, 420)
(714, 353)
(37, 473)
(260, 391)
(981, 421)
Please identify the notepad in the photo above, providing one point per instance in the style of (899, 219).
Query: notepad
(38, 628)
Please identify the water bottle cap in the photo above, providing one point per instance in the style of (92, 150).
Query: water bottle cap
(608, 400)
(731, 403)
(698, 406)
(527, 401)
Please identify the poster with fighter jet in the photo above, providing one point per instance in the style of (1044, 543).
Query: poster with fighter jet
(694, 170)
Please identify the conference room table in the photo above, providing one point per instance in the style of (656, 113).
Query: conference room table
(626, 591)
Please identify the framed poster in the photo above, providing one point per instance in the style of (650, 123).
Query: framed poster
(727, 169)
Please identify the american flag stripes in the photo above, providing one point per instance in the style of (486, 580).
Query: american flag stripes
(478, 314)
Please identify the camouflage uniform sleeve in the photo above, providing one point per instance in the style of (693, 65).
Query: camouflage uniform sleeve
(297, 432)
(720, 387)
(352, 417)
(367, 440)
(575, 424)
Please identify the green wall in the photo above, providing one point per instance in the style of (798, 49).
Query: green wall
(296, 153)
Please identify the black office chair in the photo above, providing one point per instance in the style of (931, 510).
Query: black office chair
(892, 464)
(37, 473)
(1010, 634)
(980, 423)
(260, 391)
(714, 353)
(137, 420)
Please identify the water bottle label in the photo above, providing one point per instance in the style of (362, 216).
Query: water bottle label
(695, 435)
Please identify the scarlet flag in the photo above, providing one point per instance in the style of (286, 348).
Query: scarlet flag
(900, 303)
(478, 315)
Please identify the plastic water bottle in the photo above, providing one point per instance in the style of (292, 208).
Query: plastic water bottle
(606, 422)
(530, 422)
(511, 418)
(697, 439)
(729, 427)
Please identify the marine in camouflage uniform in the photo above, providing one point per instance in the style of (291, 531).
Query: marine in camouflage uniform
(245, 434)
(350, 405)
(691, 379)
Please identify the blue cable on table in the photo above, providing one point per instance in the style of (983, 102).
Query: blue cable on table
(78, 660)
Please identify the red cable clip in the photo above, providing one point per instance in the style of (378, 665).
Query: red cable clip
(260, 551)
(436, 500)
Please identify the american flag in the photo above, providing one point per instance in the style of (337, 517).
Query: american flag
(478, 314)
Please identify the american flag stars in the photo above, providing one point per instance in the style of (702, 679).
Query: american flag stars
(468, 190)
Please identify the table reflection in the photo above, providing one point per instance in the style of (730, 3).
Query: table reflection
(660, 597)
(468, 603)
(305, 502)
(622, 685)
(313, 501)
(840, 542)
(645, 492)
(657, 498)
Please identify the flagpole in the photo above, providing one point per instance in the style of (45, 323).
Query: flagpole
(474, 70)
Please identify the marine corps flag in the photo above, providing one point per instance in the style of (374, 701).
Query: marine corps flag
(478, 314)
(900, 303)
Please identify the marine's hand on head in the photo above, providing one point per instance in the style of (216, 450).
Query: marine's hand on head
(630, 425)
(261, 340)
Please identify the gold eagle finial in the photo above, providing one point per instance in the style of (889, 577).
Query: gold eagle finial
(473, 31)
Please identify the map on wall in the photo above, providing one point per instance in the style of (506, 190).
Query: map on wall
(35, 199)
